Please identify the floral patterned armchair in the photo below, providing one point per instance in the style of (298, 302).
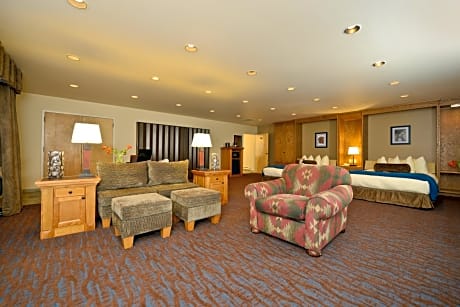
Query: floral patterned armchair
(307, 206)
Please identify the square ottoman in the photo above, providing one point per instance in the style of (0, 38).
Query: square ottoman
(136, 214)
(195, 204)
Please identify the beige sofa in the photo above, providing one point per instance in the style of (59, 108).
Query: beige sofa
(122, 179)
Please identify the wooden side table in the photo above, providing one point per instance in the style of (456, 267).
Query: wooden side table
(213, 179)
(68, 205)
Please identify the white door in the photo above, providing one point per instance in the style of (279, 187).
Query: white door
(261, 151)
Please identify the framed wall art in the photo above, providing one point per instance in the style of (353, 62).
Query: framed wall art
(321, 139)
(400, 135)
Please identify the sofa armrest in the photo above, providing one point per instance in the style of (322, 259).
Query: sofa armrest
(263, 189)
(326, 204)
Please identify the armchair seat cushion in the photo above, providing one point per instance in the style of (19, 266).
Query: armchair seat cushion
(291, 206)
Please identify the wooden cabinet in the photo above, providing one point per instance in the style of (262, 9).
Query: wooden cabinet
(449, 178)
(215, 180)
(68, 205)
(350, 134)
(232, 159)
(286, 139)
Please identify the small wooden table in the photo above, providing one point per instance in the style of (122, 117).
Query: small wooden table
(68, 205)
(213, 179)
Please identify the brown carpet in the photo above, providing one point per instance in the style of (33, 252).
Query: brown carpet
(389, 255)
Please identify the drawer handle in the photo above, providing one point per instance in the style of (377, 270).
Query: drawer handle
(70, 192)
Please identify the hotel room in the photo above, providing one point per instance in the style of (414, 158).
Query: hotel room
(317, 78)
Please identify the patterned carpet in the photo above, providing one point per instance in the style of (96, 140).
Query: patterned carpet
(389, 255)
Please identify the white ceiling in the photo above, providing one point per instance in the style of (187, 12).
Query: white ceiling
(299, 43)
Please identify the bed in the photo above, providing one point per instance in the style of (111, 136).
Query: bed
(274, 170)
(391, 185)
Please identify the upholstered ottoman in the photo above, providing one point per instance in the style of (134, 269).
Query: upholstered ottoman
(195, 204)
(136, 214)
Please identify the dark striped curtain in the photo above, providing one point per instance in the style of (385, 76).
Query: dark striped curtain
(170, 142)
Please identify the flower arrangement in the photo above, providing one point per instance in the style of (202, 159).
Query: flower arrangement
(119, 154)
(454, 163)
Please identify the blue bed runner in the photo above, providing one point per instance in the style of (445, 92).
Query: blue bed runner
(434, 190)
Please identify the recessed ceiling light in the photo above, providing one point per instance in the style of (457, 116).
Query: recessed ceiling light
(245, 101)
(272, 109)
(156, 78)
(178, 105)
(259, 119)
(72, 57)
(352, 29)
(191, 48)
(74, 85)
(293, 114)
(379, 63)
(404, 96)
(208, 92)
(316, 99)
(335, 107)
(238, 115)
(212, 111)
(251, 73)
(79, 4)
(394, 82)
(291, 88)
(134, 96)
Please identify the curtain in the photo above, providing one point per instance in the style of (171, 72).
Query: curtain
(10, 85)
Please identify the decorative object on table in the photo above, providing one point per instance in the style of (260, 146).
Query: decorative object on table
(118, 154)
(201, 140)
(352, 151)
(214, 161)
(321, 139)
(454, 164)
(86, 134)
(400, 135)
(55, 164)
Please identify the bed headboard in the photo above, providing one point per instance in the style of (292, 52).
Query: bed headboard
(431, 166)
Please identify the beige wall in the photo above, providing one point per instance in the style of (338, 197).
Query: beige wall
(31, 107)
(308, 138)
(423, 134)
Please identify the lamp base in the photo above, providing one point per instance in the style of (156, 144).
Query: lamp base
(86, 174)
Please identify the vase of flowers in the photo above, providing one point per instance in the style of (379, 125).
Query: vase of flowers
(118, 154)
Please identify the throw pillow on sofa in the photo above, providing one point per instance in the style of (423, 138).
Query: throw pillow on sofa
(121, 175)
(167, 172)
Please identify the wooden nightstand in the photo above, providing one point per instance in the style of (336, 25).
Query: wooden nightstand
(352, 167)
(68, 205)
(216, 180)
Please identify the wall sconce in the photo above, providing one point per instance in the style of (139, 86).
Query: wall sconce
(353, 151)
(201, 140)
(86, 134)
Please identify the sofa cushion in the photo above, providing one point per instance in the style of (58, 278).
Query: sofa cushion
(167, 172)
(121, 175)
(285, 205)
(166, 189)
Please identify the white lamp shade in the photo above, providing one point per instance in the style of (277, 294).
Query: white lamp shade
(353, 150)
(84, 133)
(201, 140)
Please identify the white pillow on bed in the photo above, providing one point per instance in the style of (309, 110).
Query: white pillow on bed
(325, 160)
(381, 160)
(318, 160)
(394, 160)
(411, 163)
(310, 157)
(420, 165)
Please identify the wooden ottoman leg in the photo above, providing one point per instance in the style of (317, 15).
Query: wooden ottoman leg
(106, 223)
(116, 231)
(165, 232)
(189, 226)
(215, 219)
(127, 242)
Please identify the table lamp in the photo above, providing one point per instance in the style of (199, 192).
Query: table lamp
(86, 134)
(201, 140)
(353, 150)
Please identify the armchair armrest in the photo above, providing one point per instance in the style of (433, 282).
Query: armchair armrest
(326, 204)
(263, 189)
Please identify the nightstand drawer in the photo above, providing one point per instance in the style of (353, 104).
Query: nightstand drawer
(69, 191)
(216, 179)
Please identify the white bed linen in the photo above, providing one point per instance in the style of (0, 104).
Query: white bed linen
(391, 183)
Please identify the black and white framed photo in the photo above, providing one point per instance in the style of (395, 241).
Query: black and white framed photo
(321, 139)
(400, 135)
(55, 164)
